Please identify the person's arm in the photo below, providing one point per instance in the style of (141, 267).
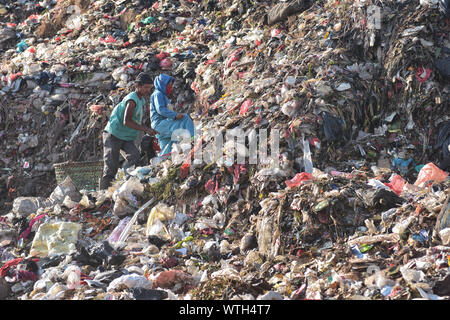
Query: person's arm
(162, 110)
(130, 123)
(179, 116)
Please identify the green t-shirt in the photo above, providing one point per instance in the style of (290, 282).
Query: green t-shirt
(115, 124)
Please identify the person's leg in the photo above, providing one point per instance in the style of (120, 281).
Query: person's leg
(111, 152)
(164, 136)
(130, 153)
(188, 124)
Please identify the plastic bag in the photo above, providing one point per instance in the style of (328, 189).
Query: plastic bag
(114, 236)
(73, 274)
(22, 46)
(430, 172)
(69, 203)
(402, 165)
(184, 170)
(130, 281)
(397, 183)
(443, 65)
(211, 186)
(132, 187)
(158, 229)
(121, 208)
(149, 146)
(24, 206)
(55, 238)
(159, 213)
(245, 106)
(65, 188)
(299, 179)
(410, 275)
(332, 127)
(162, 212)
(381, 198)
(443, 136)
(444, 7)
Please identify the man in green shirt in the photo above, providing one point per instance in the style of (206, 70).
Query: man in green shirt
(123, 128)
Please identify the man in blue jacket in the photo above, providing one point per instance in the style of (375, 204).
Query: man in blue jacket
(123, 128)
(164, 120)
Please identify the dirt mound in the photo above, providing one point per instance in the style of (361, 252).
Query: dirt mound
(63, 11)
(83, 4)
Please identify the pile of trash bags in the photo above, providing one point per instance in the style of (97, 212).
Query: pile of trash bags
(357, 207)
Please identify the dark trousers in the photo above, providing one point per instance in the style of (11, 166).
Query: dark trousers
(112, 148)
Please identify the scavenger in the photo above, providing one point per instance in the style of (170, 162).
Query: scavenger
(163, 119)
(123, 128)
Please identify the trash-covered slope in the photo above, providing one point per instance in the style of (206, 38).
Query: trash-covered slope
(361, 215)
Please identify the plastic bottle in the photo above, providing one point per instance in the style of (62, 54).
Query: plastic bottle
(307, 156)
(400, 227)
(388, 214)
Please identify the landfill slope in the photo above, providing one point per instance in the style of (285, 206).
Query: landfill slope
(357, 207)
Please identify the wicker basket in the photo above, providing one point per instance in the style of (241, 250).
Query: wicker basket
(85, 175)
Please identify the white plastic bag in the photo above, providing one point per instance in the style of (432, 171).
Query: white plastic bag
(130, 281)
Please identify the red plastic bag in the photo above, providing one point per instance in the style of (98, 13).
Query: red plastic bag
(96, 108)
(195, 88)
(25, 234)
(430, 172)
(397, 183)
(155, 145)
(275, 33)
(162, 55)
(33, 17)
(236, 171)
(234, 56)
(422, 74)
(9, 264)
(184, 170)
(244, 107)
(211, 186)
(108, 39)
(15, 76)
(299, 179)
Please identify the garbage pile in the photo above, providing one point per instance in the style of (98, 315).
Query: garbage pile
(358, 207)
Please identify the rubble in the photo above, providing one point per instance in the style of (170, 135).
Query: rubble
(358, 207)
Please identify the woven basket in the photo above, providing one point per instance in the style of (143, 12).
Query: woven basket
(85, 175)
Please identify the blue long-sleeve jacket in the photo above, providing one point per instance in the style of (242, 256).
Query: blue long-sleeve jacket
(159, 101)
